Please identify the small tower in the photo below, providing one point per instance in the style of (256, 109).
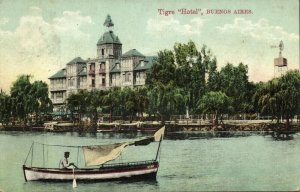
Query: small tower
(280, 63)
(108, 23)
(109, 45)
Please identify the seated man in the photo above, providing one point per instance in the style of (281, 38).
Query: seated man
(64, 163)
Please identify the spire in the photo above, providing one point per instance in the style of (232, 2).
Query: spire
(108, 22)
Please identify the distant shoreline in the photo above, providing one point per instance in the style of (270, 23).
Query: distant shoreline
(181, 126)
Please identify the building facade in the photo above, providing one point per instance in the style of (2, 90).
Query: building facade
(109, 69)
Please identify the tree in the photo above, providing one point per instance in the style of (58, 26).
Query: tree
(165, 100)
(94, 101)
(22, 100)
(41, 103)
(280, 97)
(5, 107)
(216, 103)
(28, 99)
(111, 99)
(234, 83)
(163, 69)
(184, 67)
(142, 101)
(290, 94)
(77, 103)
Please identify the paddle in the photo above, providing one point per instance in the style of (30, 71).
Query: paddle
(74, 180)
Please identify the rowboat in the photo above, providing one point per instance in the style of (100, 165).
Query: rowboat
(107, 127)
(142, 170)
(99, 155)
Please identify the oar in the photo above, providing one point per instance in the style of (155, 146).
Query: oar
(74, 180)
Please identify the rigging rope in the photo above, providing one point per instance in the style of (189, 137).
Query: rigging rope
(73, 146)
(28, 153)
(43, 156)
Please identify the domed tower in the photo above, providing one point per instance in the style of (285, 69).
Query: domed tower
(109, 45)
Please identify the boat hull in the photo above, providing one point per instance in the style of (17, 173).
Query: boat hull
(138, 171)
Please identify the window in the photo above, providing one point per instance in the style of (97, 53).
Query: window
(59, 95)
(71, 82)
(128, 77)
(102, 51)
(103, 81)
(102, 66)
(93, 82)
(92, 67)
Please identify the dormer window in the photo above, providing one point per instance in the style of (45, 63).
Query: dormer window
(142, 63)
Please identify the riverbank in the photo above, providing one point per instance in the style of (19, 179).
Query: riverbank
(229, 125)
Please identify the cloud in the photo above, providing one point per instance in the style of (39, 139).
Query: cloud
(169, 24)
(37, 46)
(259, 30)
(3, 21)
(71, 22)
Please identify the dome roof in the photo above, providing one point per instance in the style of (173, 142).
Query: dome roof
(133, 53)
(108, 38)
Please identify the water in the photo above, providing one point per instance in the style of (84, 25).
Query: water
(189, 162)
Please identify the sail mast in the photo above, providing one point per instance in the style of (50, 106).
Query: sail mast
(161, 138)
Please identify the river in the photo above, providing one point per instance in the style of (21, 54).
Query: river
(188, 162)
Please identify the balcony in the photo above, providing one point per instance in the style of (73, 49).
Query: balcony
(83, 86)
(102, 85)
(58, 87)
(101, 71)
(57, 101)
(140, 82)
(92, 72)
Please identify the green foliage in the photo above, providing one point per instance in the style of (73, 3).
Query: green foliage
(165, 99)
(5, 107)
(279, 97)
(233, 81)
(163, 69)
(182, 68)
(28, 98)
(215, 103)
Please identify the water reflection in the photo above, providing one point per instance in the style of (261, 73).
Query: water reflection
(205, 135)
(224, 134)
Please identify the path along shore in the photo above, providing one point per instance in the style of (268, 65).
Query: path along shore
(192, 125)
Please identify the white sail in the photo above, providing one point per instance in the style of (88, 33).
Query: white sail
(99, 154)
(158, 134)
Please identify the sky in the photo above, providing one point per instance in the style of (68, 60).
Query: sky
(39, 37)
